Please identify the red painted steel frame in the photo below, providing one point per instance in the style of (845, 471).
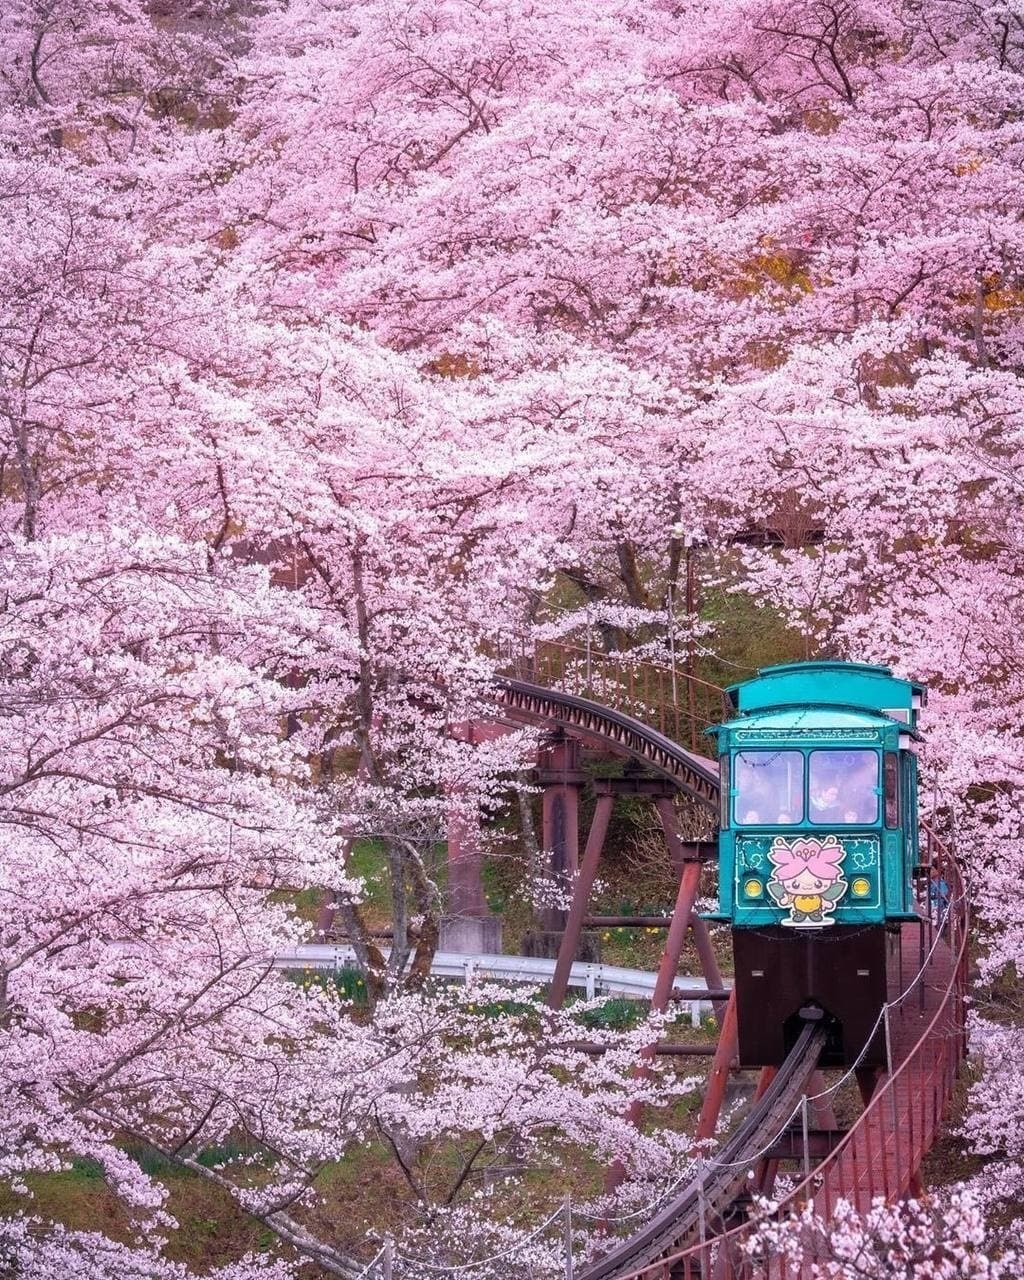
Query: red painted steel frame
(580, 897)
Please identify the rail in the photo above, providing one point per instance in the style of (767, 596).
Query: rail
(703, 1201)
(693, 774)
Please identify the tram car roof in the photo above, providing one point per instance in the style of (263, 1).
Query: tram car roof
(811, 717)
(842, 687)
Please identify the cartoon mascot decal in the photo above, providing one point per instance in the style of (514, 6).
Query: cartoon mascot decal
(807, 878)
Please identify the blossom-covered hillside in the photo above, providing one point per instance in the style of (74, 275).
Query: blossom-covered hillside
(340, 337)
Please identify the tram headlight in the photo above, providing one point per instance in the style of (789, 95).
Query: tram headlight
(753, 888)
(860, 886)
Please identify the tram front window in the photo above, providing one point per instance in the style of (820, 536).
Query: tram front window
(843, 787)
(769, 788)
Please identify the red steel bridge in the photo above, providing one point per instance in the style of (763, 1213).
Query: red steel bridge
(645, 713)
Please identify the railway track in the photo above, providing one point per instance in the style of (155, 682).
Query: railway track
(693, 774)
(703, 1202)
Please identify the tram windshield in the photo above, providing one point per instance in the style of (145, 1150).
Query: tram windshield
(843, 787)
(769, 788)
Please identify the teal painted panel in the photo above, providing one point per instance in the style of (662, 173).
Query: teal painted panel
(857, 880)
(896, 882)
(817, 683)
(807, 716)
(807, 734)
(726, 855)
(811, 727)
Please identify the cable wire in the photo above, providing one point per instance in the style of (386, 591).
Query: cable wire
(483, 1262)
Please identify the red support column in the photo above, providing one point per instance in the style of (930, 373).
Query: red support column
(325, 916)
(465, 886)
(559, 773)
(681, 859)
(823, 1114)
(669, 966)
(714, 1096)
(467, 924)
(708, 962)
(670, 825)
(580, 898)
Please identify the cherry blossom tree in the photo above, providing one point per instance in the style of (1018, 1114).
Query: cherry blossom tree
(165, 432)
(919, 1240)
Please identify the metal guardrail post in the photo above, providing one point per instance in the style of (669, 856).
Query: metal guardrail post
(891, 1089)
(805, 1126)
(700, 1199)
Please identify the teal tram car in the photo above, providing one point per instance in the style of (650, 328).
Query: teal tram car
(817, 849)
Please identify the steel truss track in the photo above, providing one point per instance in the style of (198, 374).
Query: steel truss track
(691, 773)
(708, 1196)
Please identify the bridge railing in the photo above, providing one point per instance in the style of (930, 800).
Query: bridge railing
(668, 699)
(882, 1152)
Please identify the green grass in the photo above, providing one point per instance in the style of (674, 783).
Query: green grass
(368, 860)
(617, 1014)
(158, 1166)
(748, 634)
(305, 901)
(497, 889)
(347, 982)
(84, 1169)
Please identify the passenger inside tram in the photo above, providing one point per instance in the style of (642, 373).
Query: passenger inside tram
(842, 787)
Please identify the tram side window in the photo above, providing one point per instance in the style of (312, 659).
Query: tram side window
(892, 790)
(769, 788)
(843, 787)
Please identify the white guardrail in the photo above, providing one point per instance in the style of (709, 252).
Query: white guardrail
(594, 979)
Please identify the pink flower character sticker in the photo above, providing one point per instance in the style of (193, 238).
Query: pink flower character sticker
(807, 878)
